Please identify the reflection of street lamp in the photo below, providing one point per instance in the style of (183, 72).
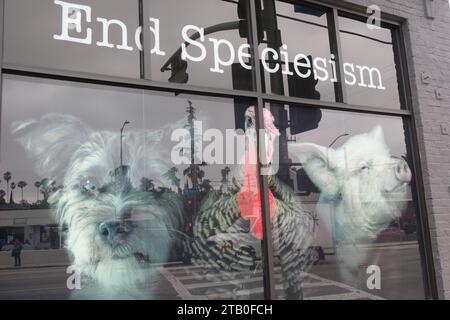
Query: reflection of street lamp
(121, 139)
(337, 138)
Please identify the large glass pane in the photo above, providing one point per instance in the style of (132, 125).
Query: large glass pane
(369, 64)
(343, 185)
(297, 61)
(216, 54)
(89, 36)
(139, 214)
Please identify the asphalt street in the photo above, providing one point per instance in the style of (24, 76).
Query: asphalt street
(400, 279)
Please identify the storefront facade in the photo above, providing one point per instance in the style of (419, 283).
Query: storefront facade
(125, 119)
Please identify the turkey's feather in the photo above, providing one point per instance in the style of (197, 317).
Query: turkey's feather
(222, 240)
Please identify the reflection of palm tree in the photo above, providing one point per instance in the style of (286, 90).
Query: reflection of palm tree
(195, 173)
(147, 184)
(224, 172)
(171, 176)
(206, 185)
(47, 187)
(21, 185)
(225, 181)
(37, 184)
(11, 199)
(7, 176)
(2, 196)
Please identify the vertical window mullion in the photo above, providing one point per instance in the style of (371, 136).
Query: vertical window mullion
(336, 49)
(400, 62)
(266, 243)
(144, 8)
(2, 9)
(141, 23)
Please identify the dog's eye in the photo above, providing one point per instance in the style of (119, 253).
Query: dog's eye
(89, 185)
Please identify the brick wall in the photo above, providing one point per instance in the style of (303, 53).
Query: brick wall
(428, 50)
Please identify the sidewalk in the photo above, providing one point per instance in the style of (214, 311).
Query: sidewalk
(59, 258)
(35, 259)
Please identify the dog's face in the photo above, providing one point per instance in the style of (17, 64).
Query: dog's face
(117, 221)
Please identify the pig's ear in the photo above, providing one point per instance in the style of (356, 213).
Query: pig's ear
(319, 163)
(51, 141)
(378, 134)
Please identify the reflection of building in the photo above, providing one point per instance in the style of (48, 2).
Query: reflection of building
(38, 227)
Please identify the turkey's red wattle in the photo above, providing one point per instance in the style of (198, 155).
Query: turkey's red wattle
(249, 200)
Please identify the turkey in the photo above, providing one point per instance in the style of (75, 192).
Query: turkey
(228, 227)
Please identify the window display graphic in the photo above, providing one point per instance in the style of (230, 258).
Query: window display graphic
(114, 228)
(229, 224)
(365, 185)
(120, 224)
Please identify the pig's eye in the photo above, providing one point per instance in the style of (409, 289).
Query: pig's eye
(365, 168)
(89, 185)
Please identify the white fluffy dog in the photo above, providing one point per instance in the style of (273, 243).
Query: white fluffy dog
(115, 227)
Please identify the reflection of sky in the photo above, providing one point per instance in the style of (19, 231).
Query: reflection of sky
(305, 38)
(29, 40)
(212, 12)
(308, 34)
(103, 108)
(335, 123)
(99, 108)
(366, 52)
(30, 26)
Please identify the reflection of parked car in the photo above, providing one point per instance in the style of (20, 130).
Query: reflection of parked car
(409, 227)
(27, 246)
(7, 247)
(390, 234)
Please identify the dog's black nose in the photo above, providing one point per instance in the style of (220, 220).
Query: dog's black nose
(114, 231)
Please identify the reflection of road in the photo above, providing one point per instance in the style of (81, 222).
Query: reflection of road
(249, 285)
(399, 264)
(36, 283)
(401, 274)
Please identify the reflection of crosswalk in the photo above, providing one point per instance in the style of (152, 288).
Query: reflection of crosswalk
(197, 282)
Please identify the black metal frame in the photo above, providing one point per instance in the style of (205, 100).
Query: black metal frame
(335, 8)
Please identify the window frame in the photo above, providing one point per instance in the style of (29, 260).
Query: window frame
(398, 26)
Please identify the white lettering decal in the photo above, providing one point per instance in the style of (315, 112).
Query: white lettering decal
(71, 19)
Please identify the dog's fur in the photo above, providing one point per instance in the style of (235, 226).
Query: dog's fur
(67, 150)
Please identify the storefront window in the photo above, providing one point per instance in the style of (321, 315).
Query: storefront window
(370, 67)
(148, 191)
(348, 179)
(70, 35)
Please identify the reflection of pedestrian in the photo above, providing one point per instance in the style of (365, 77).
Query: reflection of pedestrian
(16, 251)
